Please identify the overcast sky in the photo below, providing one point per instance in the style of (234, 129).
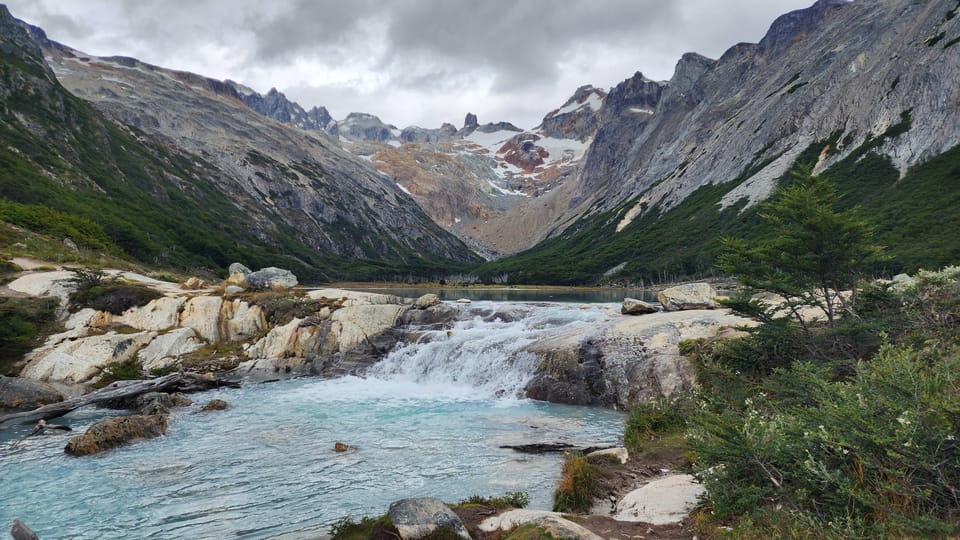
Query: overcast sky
(411, 62)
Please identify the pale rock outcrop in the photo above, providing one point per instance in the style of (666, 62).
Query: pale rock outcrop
(240, 320)
(193, 283)
(55, 283)
(356, 298)
(426, 301)
(688, 296)
(661, 502)
(233, 289)
(202, 313)
(360, 326)
(418, 518)
(80, 360)
(632, 306)
(624, 360)
(165, 348)
(290, 340)
(159, 314)
(553, 522)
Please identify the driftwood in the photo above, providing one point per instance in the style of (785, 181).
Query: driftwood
(548, 448)
(174, 382)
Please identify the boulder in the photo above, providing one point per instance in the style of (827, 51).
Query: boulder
(426, 301)
(70, 244)
(159, 402)
(418, 518)
(661, 502)
(80, 360)
(272, 279)
(436, 316)
(902, 281)
(164, 350)
(233, 289)
(18, 394)
(553, 522)
(20, 531)
(632, 306)
(113, 432)
(238, 274)
(688, 296)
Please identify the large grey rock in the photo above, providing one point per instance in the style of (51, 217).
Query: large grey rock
(632, 306)
(271, 278)
(238, 275)
(418, 518)
(624, 360)
(688, 296)
(17, 394)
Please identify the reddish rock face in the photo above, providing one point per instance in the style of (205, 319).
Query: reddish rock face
(113, 432)
(521, 151)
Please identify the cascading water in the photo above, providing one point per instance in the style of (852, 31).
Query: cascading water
(426, 421)
(484, 351)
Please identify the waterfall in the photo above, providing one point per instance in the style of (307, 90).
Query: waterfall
(485, 350)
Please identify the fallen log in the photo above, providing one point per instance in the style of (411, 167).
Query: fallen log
(174, 382)
(547, 448)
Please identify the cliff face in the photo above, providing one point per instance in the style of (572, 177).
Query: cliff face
(848, 67)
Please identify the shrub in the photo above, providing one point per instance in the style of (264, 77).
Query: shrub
(576, 489)
(347, 529)
(113, 298)
(127, 370)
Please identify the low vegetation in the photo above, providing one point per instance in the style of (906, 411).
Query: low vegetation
(845, 426)
(23, 323)
(510, 499)
(95, 291)
(126, 370)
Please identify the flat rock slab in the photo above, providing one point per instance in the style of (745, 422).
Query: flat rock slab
(552, 522)
(113, 432)
(661, 502)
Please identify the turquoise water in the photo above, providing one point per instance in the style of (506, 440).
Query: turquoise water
(426, 422)
(511, 294)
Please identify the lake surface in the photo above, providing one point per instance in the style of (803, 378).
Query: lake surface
(511, 294)
(428, 420)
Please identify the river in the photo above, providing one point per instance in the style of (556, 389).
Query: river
(428, 420)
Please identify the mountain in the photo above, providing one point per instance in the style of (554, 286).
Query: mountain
(864, 92)
(276, 105)
(174, 169)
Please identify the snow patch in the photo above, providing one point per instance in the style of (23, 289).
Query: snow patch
(403, 189)
(640, 110)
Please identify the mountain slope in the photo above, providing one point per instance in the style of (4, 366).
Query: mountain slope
(167, 192)
(865, 92)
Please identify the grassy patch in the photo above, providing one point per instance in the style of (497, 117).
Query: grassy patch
(280, 308)
(577, 488)
(113, 297)
(367, 528)
(511, 499)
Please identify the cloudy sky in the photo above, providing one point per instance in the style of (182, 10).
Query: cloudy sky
(419, 62)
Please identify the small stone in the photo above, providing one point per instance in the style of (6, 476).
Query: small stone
(216, 405)
(70, 244)
(464, 301)
(342, 447)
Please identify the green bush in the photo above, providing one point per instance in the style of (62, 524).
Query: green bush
(347, 529)
(510, 499)
(127, 370)
(113, 298)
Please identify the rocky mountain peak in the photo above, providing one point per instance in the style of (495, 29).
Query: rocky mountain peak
(470, 121)
(360, 126)
(578, 118)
